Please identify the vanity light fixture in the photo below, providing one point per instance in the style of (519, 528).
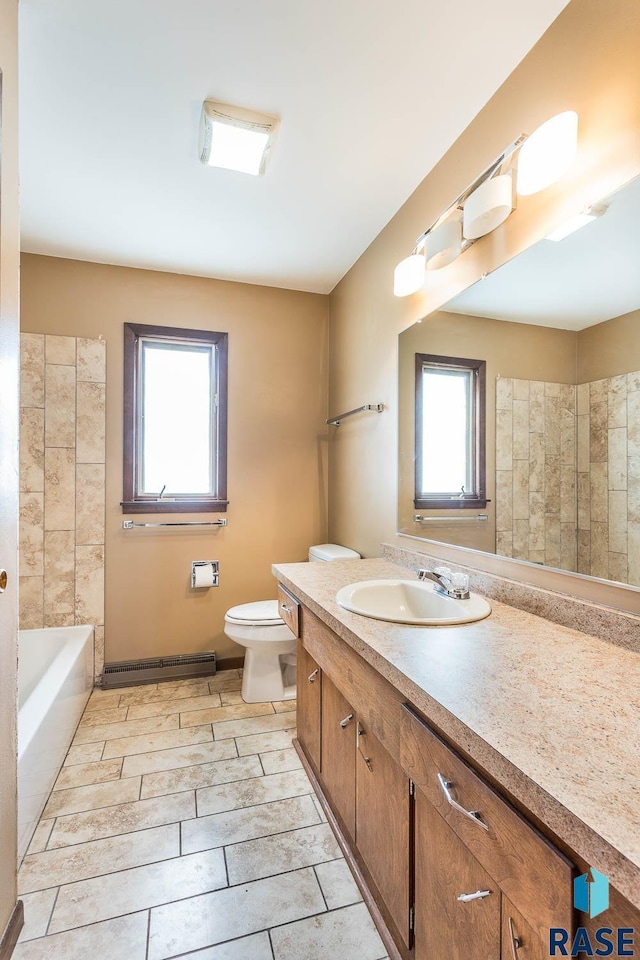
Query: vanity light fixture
(534, 162)
(234, 138)
(575, 223)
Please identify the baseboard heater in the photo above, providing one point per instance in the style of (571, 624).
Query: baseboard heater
(129, 673)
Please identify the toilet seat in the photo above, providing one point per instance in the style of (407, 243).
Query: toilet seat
(262, 613)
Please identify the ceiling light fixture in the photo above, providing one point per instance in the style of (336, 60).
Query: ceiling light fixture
(575, 223)
(235, 139)
(548, 153)
(535, 162)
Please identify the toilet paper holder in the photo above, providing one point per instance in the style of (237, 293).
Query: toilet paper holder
(204, 573)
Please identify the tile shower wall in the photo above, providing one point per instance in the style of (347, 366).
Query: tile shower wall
(62, 483)
(536, 472)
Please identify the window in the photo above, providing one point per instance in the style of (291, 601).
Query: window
(175, 420)
(450, 432)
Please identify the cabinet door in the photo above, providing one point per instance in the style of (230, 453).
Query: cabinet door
(383, 813)
(447, 928)
(339, 753)
(309, 705)
(519, 941)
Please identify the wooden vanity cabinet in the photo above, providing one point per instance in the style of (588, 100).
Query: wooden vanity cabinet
(309, 705)
(338, 767)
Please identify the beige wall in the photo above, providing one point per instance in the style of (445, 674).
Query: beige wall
(277, 443)
(587, 61)
(9, 278)
(518, 350)
(609, 349)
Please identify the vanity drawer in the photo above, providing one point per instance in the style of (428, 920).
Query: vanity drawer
(289, 609)
(535, 876)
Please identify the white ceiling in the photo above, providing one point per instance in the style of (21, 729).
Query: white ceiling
(370, 95)
(587, 278)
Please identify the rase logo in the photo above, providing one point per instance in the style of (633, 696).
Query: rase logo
(591, 896)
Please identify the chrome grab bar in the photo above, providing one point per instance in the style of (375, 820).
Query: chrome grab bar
(477, 518)
(129, 524)
(447, 786)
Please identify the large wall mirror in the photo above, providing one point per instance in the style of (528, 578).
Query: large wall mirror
(559, 331)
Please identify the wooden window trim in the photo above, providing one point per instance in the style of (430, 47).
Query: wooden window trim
(130, 504)
(479, 498)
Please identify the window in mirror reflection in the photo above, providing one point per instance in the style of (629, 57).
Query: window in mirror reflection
(450, 409)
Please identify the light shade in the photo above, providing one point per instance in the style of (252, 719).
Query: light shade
(487, 207)
(235, 139)
(548, 153)
(408, 276)
(443, 245)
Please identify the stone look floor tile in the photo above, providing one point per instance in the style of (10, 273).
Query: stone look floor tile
(265, 742)
(279, 761)
(41, 836)
(112, 731)
(121, 939)
(77, 799)
(233, 912)
(84, 753)
(230, 698)
(98, 715)
(243, 728)
(237, 712)
(247, 823)
(255, 947)
(145, 743)
(163, 691)
(124, 818)
(292, 850)
(103, 898)
(98, 857)
(337, 883)
(284, 706)
(83, 774)
(225, 680)
(341, 933)
(318, 807)
(37, 913)
(176, 758)
(202, 775)
(158, 708)
(251, 793)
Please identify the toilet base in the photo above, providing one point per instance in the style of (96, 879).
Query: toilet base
(263, 678)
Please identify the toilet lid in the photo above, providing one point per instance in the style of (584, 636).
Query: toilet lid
(261, 613)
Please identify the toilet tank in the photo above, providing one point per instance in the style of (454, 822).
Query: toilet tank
(332, 551)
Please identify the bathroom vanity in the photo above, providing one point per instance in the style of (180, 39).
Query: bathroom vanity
(471, 772)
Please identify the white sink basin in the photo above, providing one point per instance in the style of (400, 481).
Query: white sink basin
(410, 601)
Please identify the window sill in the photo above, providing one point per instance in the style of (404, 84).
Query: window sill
(174, 506)
(451, 504)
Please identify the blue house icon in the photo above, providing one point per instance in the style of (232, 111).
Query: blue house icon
(591, 893)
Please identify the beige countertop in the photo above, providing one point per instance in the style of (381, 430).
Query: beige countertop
(549, 712)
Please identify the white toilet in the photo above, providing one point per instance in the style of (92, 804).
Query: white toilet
(270, 660)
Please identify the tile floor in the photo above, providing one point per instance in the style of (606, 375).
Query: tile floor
(183, 825)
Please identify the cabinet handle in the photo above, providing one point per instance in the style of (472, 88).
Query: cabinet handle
(285, 608)
(313, 676)
(516, 942)
(447, 787)
(347, 720)
(360, 733)
(478, 895)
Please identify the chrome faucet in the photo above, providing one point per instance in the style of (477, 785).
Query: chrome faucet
(455, 585)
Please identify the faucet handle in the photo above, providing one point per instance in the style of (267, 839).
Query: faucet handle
(443, 572)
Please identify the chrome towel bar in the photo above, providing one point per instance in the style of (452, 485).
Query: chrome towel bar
(335, 421)
(477, 518)
(129, 524)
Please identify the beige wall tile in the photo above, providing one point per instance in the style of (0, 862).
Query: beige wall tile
(504, 500)
(552, 425)
(59, 489)
(32, 369)
(634, 552)
(520, 490)
(90, 584)
(598, 391)
(583, 429)
(552, 541)
(617, 401)
(60, 350)
(618, 567)
(520, 389)
(598, 432)
(90, 500)
(536, 522)
(92, 360)
(633, 503)
(599, 550)
(633, 381)
(536, 391)
(584, 501)
(504, 543)
(31, 603)
(59, 603)
(584, 551)
(60, 406)
(59, 555)
(618, 521)
(504, 393)
(31, 531)
(567, 436)
(617, 455)
(521, 539)
(536, 462)
(521, 429)
(633, 421)
(32, 449)
(568, 546)
(90, 435)
(536, 412)
(98, 650)
(504, 439)
(599, 493)
(568, 500)
(582, 399)
(552, 485)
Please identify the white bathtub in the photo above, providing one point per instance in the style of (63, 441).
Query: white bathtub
(55, 678)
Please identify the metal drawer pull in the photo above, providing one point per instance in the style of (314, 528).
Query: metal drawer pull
(478, 895)
(285, 608)
(313, 676)
(360, 733)
(346, 721)
(516, 942)
(447, 786)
